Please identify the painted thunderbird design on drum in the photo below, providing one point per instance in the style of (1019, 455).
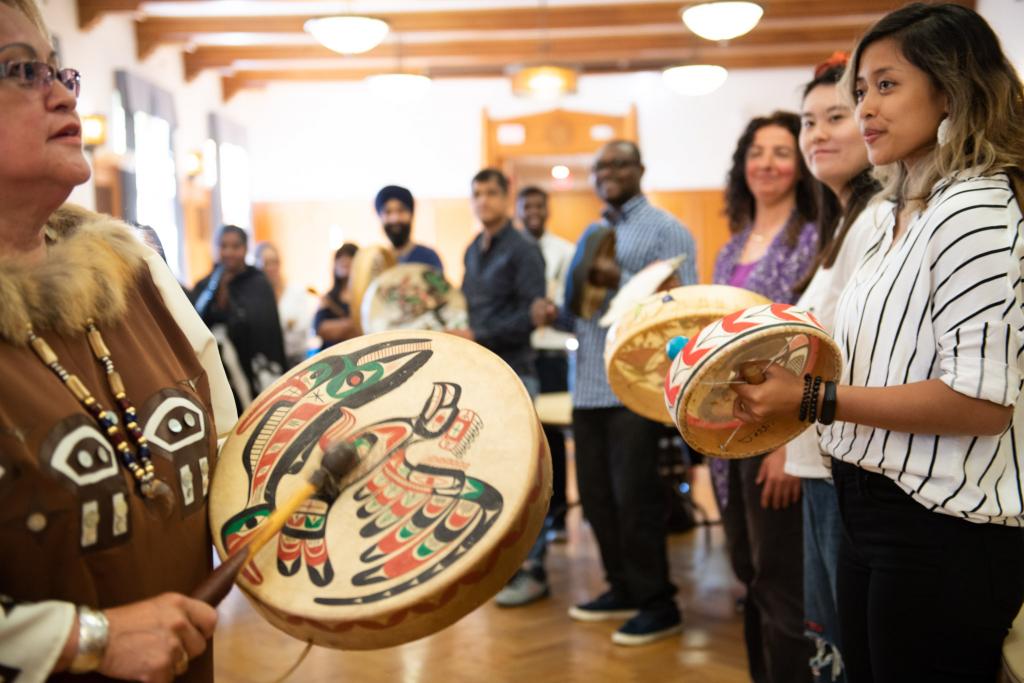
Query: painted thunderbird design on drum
(418, 515)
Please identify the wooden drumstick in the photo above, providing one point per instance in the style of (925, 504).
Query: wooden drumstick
(337, 462)
(751, 374)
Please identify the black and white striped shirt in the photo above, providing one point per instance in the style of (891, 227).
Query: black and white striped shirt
(945, 302)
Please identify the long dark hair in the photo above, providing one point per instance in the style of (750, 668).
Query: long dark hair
(832, 220)
(740, 206)
(347, 249)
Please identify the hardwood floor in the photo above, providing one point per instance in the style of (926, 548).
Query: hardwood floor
(535, 644)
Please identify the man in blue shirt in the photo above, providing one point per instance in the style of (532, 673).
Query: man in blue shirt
(617, 450)
(395, 207)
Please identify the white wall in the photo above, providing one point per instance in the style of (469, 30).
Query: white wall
(338, 141)
(109, 46)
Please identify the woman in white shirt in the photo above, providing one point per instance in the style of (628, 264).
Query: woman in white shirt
(928, 414)
(836, 155)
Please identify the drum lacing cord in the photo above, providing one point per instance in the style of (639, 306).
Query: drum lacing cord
(302, 657)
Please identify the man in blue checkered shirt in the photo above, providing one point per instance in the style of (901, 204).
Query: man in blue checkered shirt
(616, 450)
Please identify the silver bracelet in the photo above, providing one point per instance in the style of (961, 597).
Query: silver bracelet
(93, 633)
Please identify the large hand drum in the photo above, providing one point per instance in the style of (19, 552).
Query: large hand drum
(698, 389)
(451, 489)
(367, 265)
(634, 351)
(413, 296)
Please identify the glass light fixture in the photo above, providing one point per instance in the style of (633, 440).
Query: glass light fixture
(722, 20)
(348, 34)
(400, 88)
(545, 81)
(694, 80)
(94, 130)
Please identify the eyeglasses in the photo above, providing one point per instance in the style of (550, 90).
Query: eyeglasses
(612, 165)
(29, 74)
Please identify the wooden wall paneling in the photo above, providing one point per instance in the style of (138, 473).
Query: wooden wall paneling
(197, 210)
(106, 177)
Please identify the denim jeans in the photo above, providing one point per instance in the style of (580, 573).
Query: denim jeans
(822, 531)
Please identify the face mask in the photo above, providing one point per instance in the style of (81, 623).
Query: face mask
(398, 233)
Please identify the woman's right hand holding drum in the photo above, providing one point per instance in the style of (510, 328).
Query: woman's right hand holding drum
(779, 393)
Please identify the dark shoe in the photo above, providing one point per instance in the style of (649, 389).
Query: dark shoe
(649, 626)
(522, 589)
(606, 606)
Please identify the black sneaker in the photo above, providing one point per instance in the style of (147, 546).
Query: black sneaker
(649, 625)
(605, 606)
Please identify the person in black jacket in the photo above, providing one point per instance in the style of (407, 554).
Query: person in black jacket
(237, 302)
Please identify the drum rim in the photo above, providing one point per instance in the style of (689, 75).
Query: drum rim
(701, 368)
(597, 240)
(457, 575)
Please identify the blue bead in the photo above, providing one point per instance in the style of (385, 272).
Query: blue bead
(674, 346)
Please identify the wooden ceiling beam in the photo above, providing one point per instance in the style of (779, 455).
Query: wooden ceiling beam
(522, 51)
(90, 11)
(604, 62)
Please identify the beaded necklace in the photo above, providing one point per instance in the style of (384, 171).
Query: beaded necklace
(138, 461)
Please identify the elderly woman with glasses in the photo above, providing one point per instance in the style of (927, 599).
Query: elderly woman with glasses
(110, 404)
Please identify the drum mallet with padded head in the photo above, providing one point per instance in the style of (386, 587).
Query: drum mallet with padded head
(337, 462)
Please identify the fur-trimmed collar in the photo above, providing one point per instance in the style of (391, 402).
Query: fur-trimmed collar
(91, 264)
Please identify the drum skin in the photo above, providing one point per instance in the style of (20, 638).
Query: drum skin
(367, 265)
(634, 351)
(413, 296)
(654, 277)
(698, 390)
(450, 493)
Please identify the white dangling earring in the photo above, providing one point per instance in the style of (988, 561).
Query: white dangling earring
(942, 135)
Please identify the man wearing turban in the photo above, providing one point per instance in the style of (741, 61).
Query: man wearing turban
(395, 206)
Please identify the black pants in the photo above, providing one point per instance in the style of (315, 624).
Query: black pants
(766, 551)
(922, 596)
(553, 370)
(617, 475)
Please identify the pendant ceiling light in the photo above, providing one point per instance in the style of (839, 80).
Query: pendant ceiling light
(544, 81)
(348, 34)
(399, 86)
(722, 20)
(694, 80)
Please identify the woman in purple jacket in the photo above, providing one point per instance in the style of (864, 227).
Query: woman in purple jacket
(770, 202)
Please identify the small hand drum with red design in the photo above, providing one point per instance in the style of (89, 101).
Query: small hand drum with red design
(698, 388)
(449, 495)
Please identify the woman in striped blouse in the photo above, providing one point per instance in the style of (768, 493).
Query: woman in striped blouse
(927, 417)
